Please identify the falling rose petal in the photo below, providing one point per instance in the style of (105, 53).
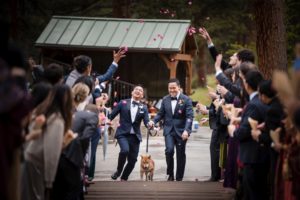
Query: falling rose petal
(172, 15)
(160, 36)
(118, 77)
(207, 18)
(190, 3)
(191, 30)
(172, 59)
(124, 48)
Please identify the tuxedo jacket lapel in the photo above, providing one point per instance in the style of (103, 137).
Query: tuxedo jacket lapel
(169, 104)
(128, 109)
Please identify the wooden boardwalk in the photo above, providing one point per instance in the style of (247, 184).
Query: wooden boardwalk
(193, 187)
(157, 190)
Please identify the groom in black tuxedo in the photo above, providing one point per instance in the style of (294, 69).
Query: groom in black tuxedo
(128, 134)
(177, 113)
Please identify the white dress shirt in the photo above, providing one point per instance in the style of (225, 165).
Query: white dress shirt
(174, 103)
(252, 95)
(133, 112)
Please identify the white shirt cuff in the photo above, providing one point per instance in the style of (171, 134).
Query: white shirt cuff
(103, 85)
(97, 87)
(218, 72)
(210, 45)
(115, 64)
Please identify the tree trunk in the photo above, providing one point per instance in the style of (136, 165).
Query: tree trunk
(121, 8)
(271, 42)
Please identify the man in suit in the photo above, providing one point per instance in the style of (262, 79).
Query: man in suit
(253, 155)
(243, 55)
(177, 113)
(128, 134)
(83, 67)
(214, 146)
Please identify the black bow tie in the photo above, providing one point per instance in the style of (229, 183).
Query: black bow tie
(173, 98)
(135, 103)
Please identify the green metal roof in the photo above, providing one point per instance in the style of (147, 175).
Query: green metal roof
(148, 35)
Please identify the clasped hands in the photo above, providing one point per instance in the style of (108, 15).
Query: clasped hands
(184, 135)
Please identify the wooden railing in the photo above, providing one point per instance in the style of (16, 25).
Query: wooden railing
(119, 90)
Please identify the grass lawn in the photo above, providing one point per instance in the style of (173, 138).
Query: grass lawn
(201, 94)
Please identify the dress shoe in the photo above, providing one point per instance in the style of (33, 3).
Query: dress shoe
(211, 180)
(171, 178)
(115, 175)
(122, 180)
(178, 179)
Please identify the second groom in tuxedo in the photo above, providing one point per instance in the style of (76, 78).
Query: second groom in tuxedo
(128, 134)
(177, 113)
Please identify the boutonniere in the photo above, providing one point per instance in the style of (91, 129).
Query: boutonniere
(124, 102)
(179, 111)
(180, 102)
(141, 106)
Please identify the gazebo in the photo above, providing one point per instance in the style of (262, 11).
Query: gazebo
(157, 49)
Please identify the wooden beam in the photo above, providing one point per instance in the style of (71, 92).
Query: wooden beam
(182, 57)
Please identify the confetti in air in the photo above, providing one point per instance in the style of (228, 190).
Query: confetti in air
(124, 48)
(191, 31)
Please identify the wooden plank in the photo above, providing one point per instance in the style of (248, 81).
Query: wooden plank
(183, 57)
(157, 190)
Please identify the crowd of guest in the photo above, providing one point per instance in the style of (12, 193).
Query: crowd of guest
(255, 125)
(50, 126)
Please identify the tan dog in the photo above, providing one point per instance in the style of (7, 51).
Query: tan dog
(147, 167)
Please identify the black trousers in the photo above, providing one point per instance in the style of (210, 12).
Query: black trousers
(130, 145)
(173, 140)
(214, 156)
(255, 181)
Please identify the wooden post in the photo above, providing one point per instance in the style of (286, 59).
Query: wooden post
(172, 65)
(188, 80)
